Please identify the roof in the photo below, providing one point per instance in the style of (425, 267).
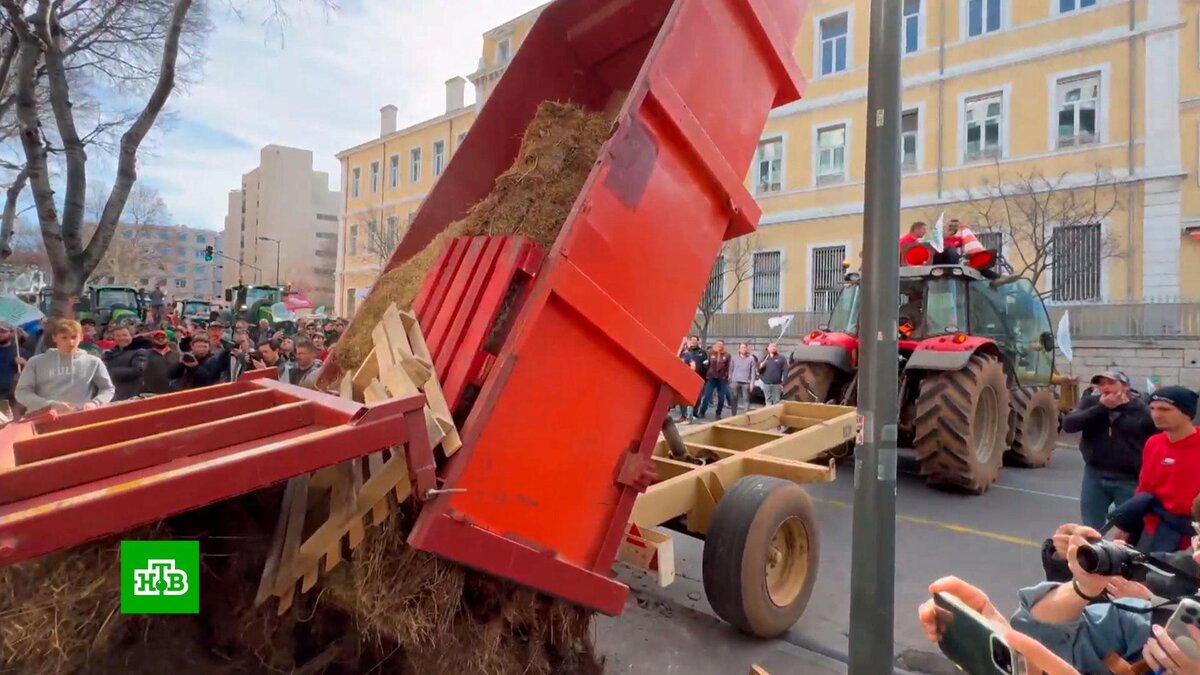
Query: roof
(459, 112)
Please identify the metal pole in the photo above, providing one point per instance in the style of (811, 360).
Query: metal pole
(873, 553)
(276, 262)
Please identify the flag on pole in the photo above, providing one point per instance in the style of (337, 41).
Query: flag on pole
(782, 323)
(1063, 337)
(937, 236)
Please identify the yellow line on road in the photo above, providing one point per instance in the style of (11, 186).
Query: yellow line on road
(960, 529)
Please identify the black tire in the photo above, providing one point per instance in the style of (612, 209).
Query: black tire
(809, 382)
(962, 425)
(761, 554)
(1033, 422)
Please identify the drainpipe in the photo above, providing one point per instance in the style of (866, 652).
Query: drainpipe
(941, 91)
(1131, 150)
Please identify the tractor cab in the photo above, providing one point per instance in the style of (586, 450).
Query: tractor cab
(252, 303)
(107, 304)
(196, 310)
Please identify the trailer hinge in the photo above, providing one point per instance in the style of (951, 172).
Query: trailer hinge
(637, 470)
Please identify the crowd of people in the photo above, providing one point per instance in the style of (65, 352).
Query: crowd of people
(72, 365)
(1140, 488)
(731, 378)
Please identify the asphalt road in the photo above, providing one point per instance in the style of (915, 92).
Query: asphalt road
(991, 540)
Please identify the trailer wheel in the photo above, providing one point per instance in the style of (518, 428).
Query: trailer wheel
(761, 554)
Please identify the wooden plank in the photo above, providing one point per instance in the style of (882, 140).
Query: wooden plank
(652, 551)
(367, 371)
(266, 583)
(398, 381)
(290, 564)
(433, 388)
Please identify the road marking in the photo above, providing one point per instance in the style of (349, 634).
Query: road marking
(960, 529)
(1035, 492)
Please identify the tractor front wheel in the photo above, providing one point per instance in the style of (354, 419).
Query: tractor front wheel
(1034, 427)
(761, 554)
(962, 425)
(809, 382)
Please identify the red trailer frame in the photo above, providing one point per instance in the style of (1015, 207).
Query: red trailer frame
(557, 445)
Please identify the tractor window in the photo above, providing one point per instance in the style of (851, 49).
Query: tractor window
(110, 297)
(1027, 319)
(256, 294)
(844, 318)
(944, 307)
(987, 313)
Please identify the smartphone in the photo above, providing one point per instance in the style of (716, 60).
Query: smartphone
(972, 642)
(1186, 614)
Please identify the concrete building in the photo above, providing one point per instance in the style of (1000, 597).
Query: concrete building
(385, 178)
(284, 217)
(171, 256)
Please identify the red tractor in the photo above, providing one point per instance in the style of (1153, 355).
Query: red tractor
(976, 365)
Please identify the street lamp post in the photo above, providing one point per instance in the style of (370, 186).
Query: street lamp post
(873, 547)
(276, 256)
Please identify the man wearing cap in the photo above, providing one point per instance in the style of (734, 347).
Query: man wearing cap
(161, 359)
(126, 364)
(1171, 459)
(1113, 422)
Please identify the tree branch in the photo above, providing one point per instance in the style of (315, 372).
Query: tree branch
(132, 139)
(9, 217)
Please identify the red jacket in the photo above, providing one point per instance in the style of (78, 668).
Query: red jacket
(1171, 472)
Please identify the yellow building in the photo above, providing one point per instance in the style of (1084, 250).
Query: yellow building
(1067, 130)
(385, 179)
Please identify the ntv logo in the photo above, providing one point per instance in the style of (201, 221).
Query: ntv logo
(160, 577)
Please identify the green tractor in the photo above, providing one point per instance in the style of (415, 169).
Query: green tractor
(195, 309)
(252, 303)
(107, 304)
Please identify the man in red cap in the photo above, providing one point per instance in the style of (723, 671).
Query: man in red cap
(161, 359)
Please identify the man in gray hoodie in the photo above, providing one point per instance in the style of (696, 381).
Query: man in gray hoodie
(64, 378)
(741, 375)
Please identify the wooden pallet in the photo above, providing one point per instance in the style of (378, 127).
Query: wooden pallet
(357, 494)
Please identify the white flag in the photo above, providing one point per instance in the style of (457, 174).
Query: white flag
(937, 236)
(780, 322)
(1063, 338)
(1149, 386)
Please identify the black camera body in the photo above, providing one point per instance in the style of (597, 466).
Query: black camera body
(1110, 559)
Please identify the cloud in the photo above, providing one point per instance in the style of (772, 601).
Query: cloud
(317, 85)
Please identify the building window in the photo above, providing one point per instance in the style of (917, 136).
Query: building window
(831, 154)
(372, 237)
(353, 243)
(834, 38)
(181, 283)
(910, 124)
(414, 165)
(325, 235)
(439, 157)
(199, 270)
(181, 252)
(1078, 101)
(461, 137)
(1065, 6)
(503, 52)
(182, 236)
(714, 292)
(826, 277)
(374, 177)
(982, 116)
(144, 282)
(983, 16)
(912, 25)
(394, 171)
(327, 216)
(1075, 272)
(770, 166)
(355, 175)
(993, 241)
(163, 235)
(766, 284)
(201, 239)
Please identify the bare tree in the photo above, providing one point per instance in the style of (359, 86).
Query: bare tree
(134, 253)
(382, 236)
(1040, 218)
(734, 267)
(58, 60)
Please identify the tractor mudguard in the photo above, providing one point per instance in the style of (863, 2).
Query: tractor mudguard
(835, 356)
(947, 352)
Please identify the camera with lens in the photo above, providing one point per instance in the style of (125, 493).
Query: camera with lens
(1110, 559)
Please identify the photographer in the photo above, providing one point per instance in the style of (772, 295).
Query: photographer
(197, 368)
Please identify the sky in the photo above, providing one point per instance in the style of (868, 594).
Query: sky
(316, 83)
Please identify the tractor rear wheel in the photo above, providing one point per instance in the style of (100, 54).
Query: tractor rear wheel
(761, 553)
(962, 425)
(1034, 425)
(809, 382)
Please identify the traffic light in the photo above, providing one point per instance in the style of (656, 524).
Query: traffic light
(208, 254)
